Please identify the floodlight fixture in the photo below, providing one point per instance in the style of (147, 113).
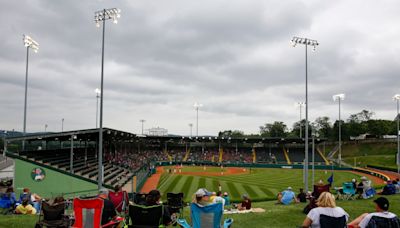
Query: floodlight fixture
(340, 96)
(31, 43)
(106, 14)
(309, 42)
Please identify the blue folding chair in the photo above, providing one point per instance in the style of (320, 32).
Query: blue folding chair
(206, 216)
(349, 191)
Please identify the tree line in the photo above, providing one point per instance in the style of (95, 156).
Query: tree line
(355, 125)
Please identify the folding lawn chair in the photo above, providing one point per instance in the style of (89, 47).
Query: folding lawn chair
(318, 189)
(175, 203)
(349, 192)
(145, 216)
(378, 222)
(120, 201)
(209, 216)
(139, 198)
(332, 222)
(53, 216)
(88, 214)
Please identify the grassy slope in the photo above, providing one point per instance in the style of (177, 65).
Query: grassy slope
(275, 215)
(261, 184)
(381, 154)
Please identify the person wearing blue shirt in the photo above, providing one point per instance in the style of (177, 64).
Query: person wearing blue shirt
(227, 199)
(286, 197)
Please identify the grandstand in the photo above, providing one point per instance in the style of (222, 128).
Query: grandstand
(73, 154)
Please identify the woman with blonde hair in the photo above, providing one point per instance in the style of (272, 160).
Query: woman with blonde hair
(327, 207)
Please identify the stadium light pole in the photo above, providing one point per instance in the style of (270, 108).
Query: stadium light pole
(29, 43)
(307, 42)
(142, 124)
(300, 105)
(102, 16)
(339, 97)
(191, 126)
(397, 99)
(62, 125)
(197, 106)
(98, 92)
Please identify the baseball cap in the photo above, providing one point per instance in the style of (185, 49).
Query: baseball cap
(202, 192)
(382, 203)
(289, 188)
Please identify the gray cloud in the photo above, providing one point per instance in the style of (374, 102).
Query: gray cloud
(162, 56)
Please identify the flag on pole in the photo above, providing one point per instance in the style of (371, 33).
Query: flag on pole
(330, 179)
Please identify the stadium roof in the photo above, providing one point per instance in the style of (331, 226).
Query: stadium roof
(116, 135)
(82, 135)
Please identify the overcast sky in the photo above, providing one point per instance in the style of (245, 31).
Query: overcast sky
(232, 56)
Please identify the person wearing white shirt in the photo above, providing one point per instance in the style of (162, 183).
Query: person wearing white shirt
(326, 206)
(381, 207)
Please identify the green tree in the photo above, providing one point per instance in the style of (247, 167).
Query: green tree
(276, 129)
(323, 126)
(230, 133)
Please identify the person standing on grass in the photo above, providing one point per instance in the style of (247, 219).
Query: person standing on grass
(227, 199)
(381, 210)
(326, 206)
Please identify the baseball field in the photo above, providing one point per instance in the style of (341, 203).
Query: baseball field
(259, 183)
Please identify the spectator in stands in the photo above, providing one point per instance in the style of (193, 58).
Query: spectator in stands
(202, 197)
(286, 197)
(10, 194)
(108, 208)
(25, 208)
(245, 204)
(381, 210)
(227, 199)
(326, 206)
(219, 199)
(152, 199)
(302, 196)
(389, 189)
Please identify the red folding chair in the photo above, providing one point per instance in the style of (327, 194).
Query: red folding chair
(120, 200)
(88, 214)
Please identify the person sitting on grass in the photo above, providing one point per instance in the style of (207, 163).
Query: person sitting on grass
(381, 210)
(219, 199)
(212, 197)
(25, 208)
(227, 199)
(302, 196)
(245, 204)
(202, 197)
(286, 197)
(152, 199)
(326, 206)
(389, 189)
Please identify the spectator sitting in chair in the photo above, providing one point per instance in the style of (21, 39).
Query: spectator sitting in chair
(246, 203)
(286, 197)
(108, 208)
(326, 206)
(152, 199)
(202, 197)
(25, 208)
(32, 198)
(381, 208)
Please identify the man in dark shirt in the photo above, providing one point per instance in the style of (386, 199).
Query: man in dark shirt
(302, 197)
(108, 208)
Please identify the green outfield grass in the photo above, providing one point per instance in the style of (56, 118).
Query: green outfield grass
(275, 215)
(260, 185)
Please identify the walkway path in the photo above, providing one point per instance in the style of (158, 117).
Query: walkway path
(152, 182)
